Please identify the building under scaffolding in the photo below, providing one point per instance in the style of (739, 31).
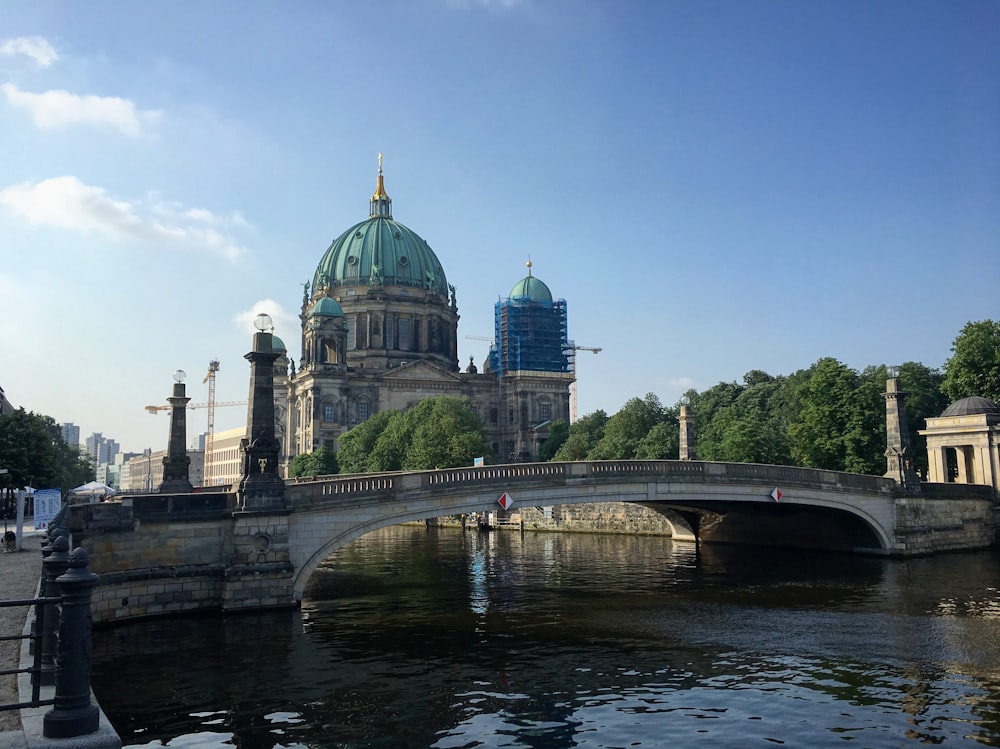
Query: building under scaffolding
(531, 331)
(532, 359)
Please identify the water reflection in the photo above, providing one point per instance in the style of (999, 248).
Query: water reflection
(413, 638)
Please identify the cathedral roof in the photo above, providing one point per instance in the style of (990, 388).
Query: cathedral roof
(325, 307)
(530, 289)
(277, 344)
(380, 252)
(971, 406)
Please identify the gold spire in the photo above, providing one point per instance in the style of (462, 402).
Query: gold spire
(381, 203)
(529, 266)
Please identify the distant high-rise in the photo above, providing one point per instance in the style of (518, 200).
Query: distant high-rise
(6, 407)
(71, 434)
(101, 449)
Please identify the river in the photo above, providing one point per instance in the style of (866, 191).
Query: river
(415, 638)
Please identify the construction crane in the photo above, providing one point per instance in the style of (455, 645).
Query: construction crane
(213, 368)
(572, 400)
(166, 406)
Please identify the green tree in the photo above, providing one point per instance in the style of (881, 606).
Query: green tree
(624, 431)
(443, 433)
(34, 453)
(558, 433)
(974, 366)
(923, 398)
(838, 420)
(584, 433)
(439, 432)
(320, 462)
(355, 446)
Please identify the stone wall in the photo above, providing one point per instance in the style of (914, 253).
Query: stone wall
(945, 517)
(607, 517)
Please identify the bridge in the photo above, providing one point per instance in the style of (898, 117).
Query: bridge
(173, 552)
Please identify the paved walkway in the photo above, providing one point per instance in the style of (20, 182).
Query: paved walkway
(22, 729)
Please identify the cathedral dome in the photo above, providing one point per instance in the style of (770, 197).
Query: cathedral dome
(531, 289)
(380, 252)
(971, 406)
(326, 307)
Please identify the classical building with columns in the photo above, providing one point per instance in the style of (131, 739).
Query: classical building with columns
(379, 331)
(963, 443)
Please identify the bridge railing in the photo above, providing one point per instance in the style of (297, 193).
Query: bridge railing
(361, 485)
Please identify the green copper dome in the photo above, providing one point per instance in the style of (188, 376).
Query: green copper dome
(380, 252)
(531, 289)
(277, 344)
(326, 307)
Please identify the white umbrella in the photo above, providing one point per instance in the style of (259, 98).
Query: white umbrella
(94, 489)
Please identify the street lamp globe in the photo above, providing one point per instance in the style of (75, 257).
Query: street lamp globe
(263, 322)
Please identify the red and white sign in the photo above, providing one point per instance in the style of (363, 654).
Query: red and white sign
(505, 501)
(776, 494)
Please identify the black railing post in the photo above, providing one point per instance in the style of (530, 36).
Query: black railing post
(53, 566)
(73, 713)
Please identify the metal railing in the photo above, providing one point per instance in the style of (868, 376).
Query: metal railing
(60, 638)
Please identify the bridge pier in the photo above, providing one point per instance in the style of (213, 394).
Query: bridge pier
(260, 571)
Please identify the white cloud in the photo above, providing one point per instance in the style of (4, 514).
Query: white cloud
(68, 203)
(35, 47)
(285, 323)
(57, 109)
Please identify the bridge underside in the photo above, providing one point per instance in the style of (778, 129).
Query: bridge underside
(785, 526)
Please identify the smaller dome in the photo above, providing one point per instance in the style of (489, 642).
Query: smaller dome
(326, 307)
(532, 290)
(971, 406)
(277, 344)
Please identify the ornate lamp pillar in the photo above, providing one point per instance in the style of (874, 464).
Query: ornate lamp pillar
(177, 463)
(687, 451)
(898, 454)
(261, 486)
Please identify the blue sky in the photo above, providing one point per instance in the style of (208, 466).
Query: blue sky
(713, 186)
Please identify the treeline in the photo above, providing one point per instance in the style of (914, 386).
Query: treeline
(35, 454)
(827, 416)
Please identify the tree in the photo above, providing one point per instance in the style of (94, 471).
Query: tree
(923, 398)
(320, 462)
(355, 446)
(838, 420)
(584, 433)
(443, 433)
(439, 432)
(34, 453)
(974, 366)
(558, 433)
(624, 431)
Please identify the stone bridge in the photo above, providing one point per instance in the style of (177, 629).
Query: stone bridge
(164, 553)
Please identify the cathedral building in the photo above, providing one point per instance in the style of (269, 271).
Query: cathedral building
(379, 332)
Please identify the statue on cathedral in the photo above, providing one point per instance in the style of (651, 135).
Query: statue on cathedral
(376, 277)
(454, 301)
(305, 292)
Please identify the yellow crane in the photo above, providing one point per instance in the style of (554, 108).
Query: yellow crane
(166, 406)
(213, 368)
(572, 394)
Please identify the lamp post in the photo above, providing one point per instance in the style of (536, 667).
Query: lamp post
(687, 451)
(177, 462)
(261, 487)
(898, 456)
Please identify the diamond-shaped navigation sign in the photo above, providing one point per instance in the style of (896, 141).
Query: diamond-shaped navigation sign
(505, 501)
(776, 494)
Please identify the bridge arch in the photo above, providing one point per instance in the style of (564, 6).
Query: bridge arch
(330, 512)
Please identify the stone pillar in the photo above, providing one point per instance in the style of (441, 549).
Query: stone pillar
(687, 451)
(261, 486)
(177, 463)
(898, 455)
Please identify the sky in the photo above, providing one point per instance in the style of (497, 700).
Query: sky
(713, 187)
